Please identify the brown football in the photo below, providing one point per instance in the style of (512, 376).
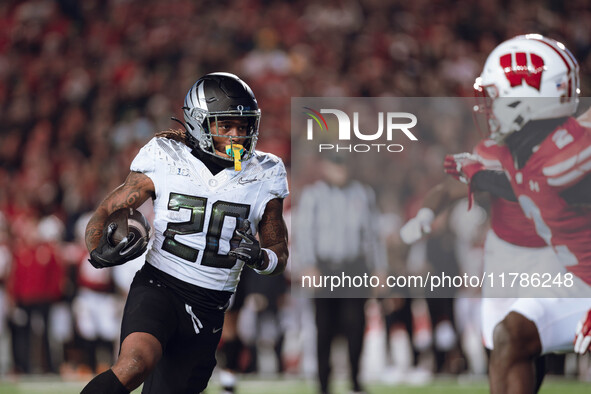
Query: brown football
(129, 220)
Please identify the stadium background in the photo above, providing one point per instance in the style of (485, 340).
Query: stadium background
(83, 85)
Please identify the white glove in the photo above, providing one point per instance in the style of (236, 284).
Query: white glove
(418, 226)
(583, 335)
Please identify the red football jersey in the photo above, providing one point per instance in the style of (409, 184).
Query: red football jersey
(506, 217)
(560, 161)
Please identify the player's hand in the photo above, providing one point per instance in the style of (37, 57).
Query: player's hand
(583, 335)
(462, 166)
(249, 250)
(415, 228)
(107, 254)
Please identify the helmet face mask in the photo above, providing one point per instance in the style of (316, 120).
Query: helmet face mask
(526, 78)
(217, 97)
(485, 96)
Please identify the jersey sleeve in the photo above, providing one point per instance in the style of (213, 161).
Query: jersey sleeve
(145, 160)
(487, 152)
(572, 164)
(279, 187)
(275, 185)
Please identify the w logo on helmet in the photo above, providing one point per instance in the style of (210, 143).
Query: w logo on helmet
(520, 71)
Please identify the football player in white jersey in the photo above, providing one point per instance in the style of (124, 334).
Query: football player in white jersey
(212, 191)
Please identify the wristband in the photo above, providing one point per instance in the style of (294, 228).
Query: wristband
(273, 260)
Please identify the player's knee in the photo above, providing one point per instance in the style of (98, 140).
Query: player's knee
(138, 357)
(138, 362)
(517, 334)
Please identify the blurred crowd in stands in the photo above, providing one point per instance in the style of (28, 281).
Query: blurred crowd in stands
(83, 85)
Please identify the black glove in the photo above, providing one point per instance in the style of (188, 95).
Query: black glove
(107, 254)
(249, 250)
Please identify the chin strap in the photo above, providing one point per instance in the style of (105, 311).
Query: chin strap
(235, 151)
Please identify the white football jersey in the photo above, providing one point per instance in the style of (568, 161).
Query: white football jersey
(195, 212)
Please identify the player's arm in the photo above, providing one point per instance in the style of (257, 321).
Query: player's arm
(133, 193)
(572, 175)
(437, 199)
(585, 118)
(467, 169)
(444, 194)
(580, 193)
(273, 234)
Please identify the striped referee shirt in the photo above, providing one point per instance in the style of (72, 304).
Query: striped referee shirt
(338, 226)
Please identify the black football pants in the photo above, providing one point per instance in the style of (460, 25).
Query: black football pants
(339, 316)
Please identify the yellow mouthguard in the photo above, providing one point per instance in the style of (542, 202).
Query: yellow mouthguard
(235, 151)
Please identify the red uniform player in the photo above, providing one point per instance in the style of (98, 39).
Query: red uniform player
(511, 245)
(530, 90)
(506, 217)
(543, 187)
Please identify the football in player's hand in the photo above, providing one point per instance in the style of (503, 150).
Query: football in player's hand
(129, 221)
(125, 237)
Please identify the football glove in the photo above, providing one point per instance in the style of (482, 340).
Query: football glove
(107, 254)
(462, 166)
(249, 250)
(583, 335)
(415, 228)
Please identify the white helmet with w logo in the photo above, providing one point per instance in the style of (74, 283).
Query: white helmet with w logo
(528, 77)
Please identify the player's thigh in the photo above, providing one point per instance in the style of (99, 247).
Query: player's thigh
(189, 357)
(555, 318)
(493, 311)
(150, 308)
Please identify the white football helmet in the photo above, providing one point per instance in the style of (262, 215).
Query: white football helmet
(528, 77)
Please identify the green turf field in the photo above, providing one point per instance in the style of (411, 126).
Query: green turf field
(293, 386)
